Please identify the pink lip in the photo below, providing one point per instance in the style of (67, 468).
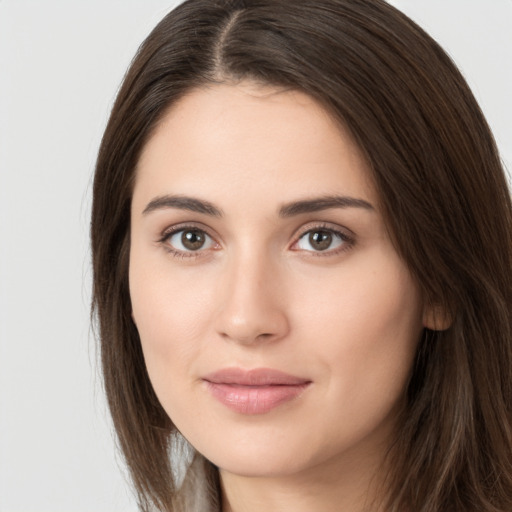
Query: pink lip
(254, 391)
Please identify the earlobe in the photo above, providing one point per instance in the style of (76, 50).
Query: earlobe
(437, 317)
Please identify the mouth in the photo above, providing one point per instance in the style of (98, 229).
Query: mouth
(256, 391)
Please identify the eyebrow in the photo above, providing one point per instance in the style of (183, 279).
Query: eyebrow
(182, 203)
(323, 203)
(288, 210)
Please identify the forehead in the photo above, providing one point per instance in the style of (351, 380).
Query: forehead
(251, 139)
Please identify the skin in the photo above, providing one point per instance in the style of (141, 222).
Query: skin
(258, 294)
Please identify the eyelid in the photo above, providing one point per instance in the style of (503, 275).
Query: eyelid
(346, 235)
(184, 226)
(181, 226)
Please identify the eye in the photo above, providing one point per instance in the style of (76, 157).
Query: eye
(189, 240)
(320, 240)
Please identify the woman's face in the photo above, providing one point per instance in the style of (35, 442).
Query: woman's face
(278, 323)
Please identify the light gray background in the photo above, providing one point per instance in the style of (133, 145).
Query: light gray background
(60, 65)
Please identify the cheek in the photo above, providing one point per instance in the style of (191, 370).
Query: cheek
(170, 315)
(371, 305)
(364, 331)
(171, 312)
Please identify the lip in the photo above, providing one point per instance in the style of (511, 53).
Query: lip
(255, 391)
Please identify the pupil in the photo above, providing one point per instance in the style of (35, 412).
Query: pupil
(320, 240)
(192, 240)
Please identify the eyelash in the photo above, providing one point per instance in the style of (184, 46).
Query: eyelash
(176, 253)
(347, 241)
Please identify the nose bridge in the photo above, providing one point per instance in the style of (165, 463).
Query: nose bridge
(252, 307)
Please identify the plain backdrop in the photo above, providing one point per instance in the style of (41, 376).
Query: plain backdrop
(61, 63)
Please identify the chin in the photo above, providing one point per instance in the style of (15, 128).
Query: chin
(260, 466)
(269, 457)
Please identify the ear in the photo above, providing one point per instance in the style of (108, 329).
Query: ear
(437, 317)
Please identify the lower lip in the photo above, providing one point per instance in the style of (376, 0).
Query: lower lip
(254, 399)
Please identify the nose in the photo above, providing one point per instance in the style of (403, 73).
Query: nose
(252, 308)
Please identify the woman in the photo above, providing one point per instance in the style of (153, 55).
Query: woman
(301, 239)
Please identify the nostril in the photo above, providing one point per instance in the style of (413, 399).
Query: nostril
(264, 335)
(248, 314)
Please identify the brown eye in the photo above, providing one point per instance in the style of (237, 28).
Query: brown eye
(189, 240)
(193, 240)
(320, 240)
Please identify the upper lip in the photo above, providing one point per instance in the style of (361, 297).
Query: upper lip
(254, 377)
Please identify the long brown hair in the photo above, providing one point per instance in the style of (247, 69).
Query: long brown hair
(444, 196)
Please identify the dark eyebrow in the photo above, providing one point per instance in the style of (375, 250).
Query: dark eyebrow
(182, 203)
(323, 203)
